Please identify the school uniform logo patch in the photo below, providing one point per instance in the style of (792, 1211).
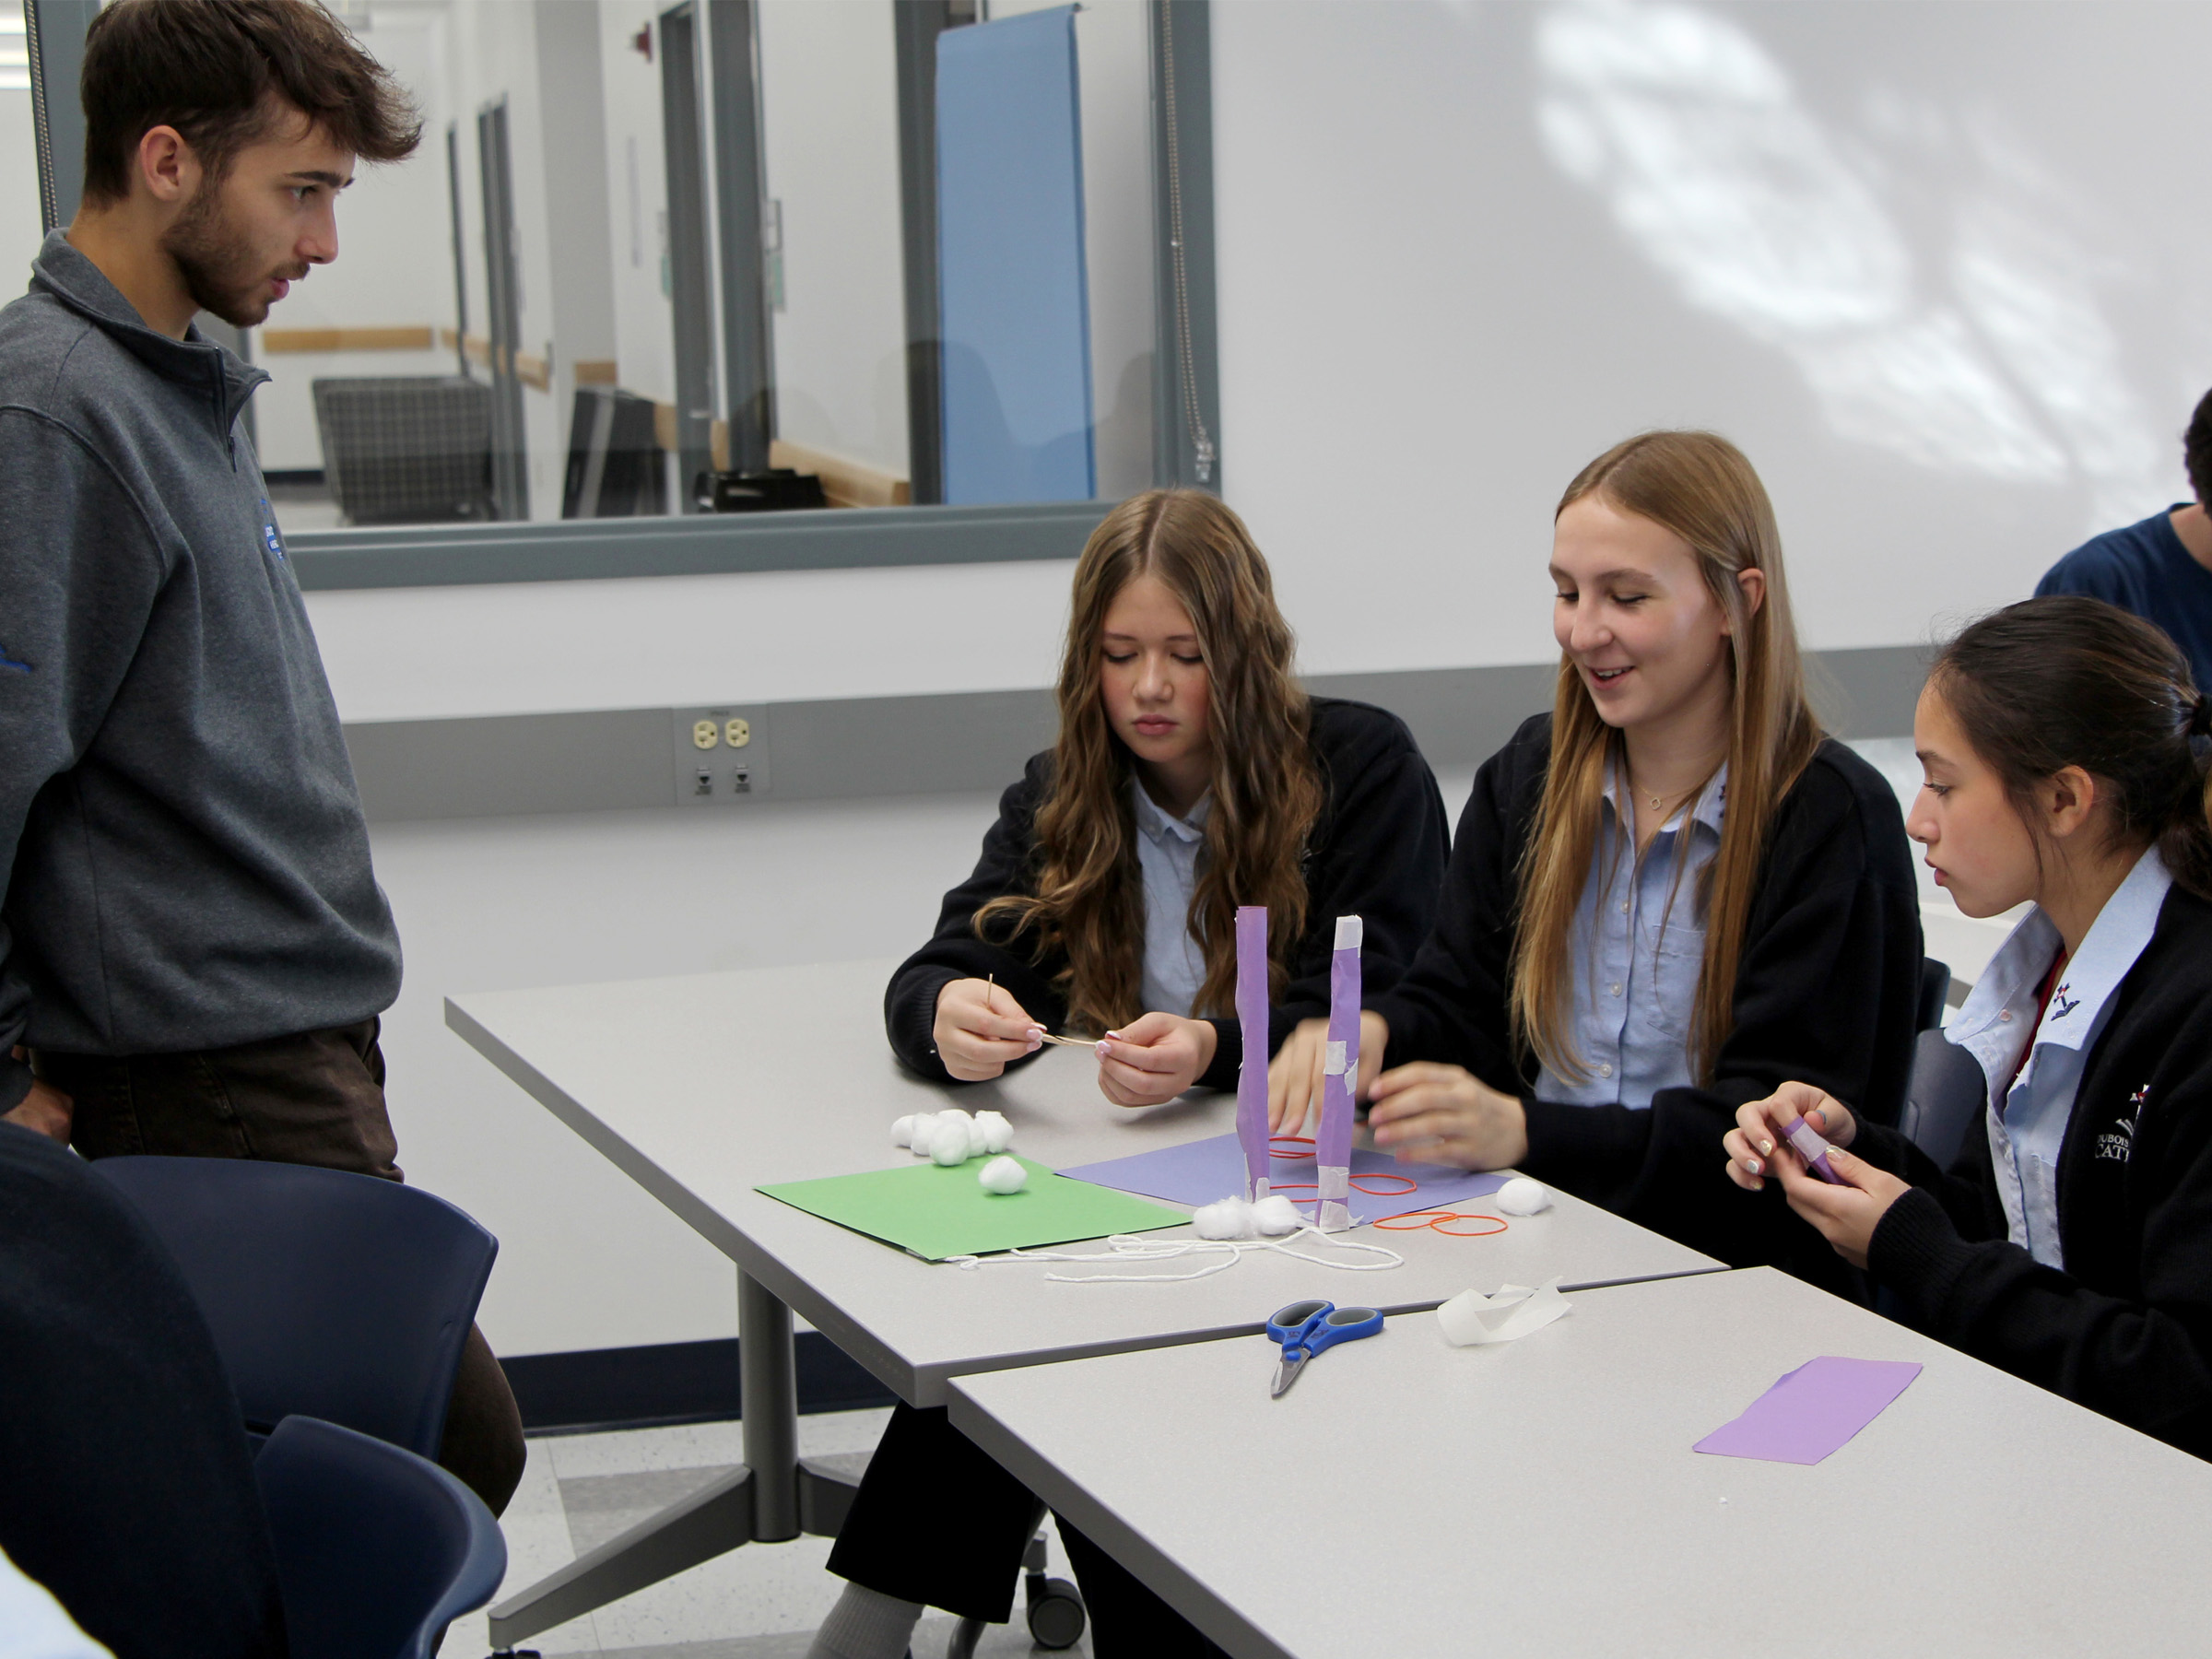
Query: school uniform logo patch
(270, 539)
(2118, 1143)
(2062, 1005)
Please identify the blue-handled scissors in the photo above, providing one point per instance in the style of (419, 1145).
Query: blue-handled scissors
(1305, 1328)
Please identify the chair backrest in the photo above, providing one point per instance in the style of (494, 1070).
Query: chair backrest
(330, 1295)
(1948, 1096)
(378, 1550)
(1934, 991)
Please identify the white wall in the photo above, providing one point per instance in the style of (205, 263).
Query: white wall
(1931, 265)
(19, 229)
(829, 117)
(637, 202)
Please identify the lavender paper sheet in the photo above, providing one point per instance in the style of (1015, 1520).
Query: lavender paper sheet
(1813, 1410)
(1207, 1171)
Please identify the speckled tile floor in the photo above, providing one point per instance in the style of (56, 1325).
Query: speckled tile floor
(760, 1602)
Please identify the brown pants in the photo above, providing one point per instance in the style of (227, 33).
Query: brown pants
(314, 1099)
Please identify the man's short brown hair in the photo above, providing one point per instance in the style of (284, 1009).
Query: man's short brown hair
(221, 73)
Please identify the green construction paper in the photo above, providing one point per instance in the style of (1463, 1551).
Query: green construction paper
(938, 1211)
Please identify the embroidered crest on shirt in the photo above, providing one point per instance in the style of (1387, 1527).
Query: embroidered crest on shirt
(268, 530)
(2062, 1005)
(2118, 1143)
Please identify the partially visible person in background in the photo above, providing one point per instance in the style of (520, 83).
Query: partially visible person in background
(2160, 569)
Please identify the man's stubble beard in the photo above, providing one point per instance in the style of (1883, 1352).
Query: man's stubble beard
(218, 271)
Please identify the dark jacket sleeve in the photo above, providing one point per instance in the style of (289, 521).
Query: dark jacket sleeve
(79, 573)
(1826, 991)
(910, 1005)
(2126, 1328)
(1377, 852)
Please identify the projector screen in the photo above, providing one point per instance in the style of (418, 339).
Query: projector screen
(1943, 269)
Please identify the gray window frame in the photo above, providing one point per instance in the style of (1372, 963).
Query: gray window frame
(837, 538)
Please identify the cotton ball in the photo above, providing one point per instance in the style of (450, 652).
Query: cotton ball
(1231, 1218)
(949, 1144)
(923, 1133)
(998, 1134)
(1276, 1215)
(902, 1132)
(1002, 1175)
(1521, 1197)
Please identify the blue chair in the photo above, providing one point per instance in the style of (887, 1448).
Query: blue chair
(330, 1295)
(377, 1549)
(1948, 1096)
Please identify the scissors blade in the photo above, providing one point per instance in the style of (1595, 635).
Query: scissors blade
(1285, 1373)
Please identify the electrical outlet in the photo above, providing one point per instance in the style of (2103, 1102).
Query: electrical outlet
(706, 771)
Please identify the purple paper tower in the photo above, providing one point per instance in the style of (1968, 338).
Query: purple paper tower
(1252, 1022)
(1340, 1081)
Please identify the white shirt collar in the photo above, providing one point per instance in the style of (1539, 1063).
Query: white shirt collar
(1156, 822)
(2108, 951)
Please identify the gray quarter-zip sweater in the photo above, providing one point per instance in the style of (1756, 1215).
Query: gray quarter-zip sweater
(182, 854)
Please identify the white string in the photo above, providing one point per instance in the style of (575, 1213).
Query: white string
(1128, 1247)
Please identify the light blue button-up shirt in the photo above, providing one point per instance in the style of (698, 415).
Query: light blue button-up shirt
(2027, 1117)
(1168, 849)
(1638, 948)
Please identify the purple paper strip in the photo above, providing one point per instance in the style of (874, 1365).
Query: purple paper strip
(1206, 1171)
(1813, 1410)
(1333, 1139)
(1252, 1078)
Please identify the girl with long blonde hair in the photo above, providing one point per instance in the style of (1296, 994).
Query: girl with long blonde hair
(1666, 896)
(1192, 775)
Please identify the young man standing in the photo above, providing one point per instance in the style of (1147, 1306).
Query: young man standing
(193, 951)
(2160, 569)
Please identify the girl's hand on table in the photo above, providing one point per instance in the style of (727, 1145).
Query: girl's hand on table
(980, 1028)
(1430, 1114)
(1152, 1059)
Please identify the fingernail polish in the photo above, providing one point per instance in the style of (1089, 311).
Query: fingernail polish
(1751, 1164)
(1767, 1147)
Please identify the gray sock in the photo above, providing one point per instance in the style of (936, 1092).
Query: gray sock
(866, 1624)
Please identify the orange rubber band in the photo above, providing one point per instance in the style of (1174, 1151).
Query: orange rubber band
(1411, 1185)
(1438, 1225)
(1413, 1220)
(1306, 1140)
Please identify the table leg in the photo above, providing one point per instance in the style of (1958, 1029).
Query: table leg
(772, 1496)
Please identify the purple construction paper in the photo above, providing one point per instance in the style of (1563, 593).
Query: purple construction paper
(1333, 1139)
(1252, 1076)
(1813, 1410)
(1208, 1171)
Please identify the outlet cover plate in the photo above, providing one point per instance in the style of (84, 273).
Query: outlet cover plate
(710, 776)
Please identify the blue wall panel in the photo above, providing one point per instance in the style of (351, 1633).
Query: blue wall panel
(1016, 308)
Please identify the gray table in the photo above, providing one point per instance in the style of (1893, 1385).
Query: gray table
(703, 1086)
(1541, 1498)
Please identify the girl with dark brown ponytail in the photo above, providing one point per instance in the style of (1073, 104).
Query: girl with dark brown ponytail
(1192, 775)
(2070, 1241)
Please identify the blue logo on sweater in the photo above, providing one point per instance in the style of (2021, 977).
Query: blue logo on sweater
(9, 662)
(268, 530)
